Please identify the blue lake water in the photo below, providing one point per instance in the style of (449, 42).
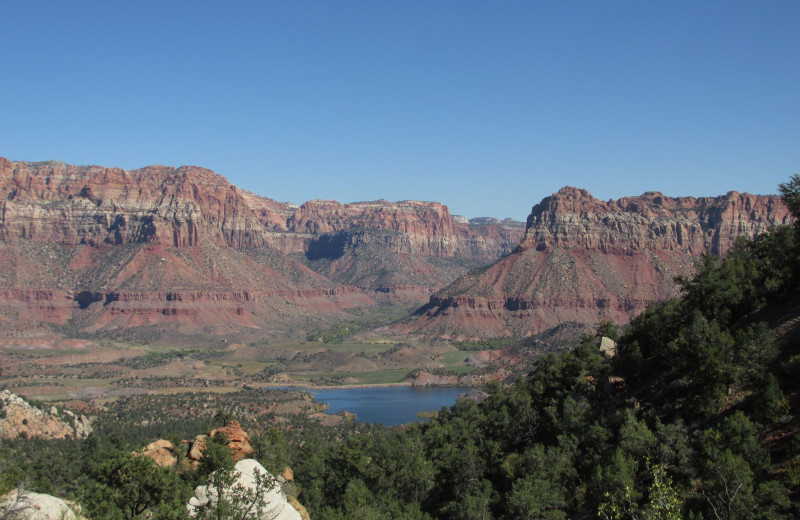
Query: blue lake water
(389, 405)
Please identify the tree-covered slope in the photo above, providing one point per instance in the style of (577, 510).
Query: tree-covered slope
(695, 417)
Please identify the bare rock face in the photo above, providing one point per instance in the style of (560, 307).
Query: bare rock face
(163, 252)
(18, 418)
(608, 346)
(27, 505)
(55, 202)
(573, 219)
(197, 447)
(586, 260)
(161, 451)
(399, 249)
(299, 507)
(248, 473)
(166, 251)
(425, 227)
(238, 440)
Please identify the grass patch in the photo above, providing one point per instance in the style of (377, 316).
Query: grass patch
(461, 370)
(371, 319)
(361, 347)
(72, 382)
(484, 344)
(382, 377)
(344, 346)
(451, 359)
(49, 352)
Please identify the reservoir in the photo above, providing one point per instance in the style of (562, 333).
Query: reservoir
(388, 405)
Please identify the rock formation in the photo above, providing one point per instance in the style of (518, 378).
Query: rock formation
(398, 249)
(196, 448)
(586, 260)
(26, 505)
(161, 451)
(251, 480)
(19, 418)
(301, 510)
(180, 251)
(58, 203)
(238, 440)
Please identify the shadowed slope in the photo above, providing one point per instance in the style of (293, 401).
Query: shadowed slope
(586, 260)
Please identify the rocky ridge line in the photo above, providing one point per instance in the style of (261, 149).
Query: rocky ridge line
(19, 418)
(586, 260)
(88, 249)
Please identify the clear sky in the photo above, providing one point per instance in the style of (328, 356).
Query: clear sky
(486, 106)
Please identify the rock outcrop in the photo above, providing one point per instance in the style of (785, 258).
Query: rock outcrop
(238, 440)
(422, 227)
(161, 451)
(180, 207)
(301, 510)
(573, 219)
(27, 505)
(19, 419)
(251, 479)
(196, 448)
(586, 260)
(161, 252)
(399, 249)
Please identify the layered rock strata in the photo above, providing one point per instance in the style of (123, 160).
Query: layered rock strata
(55, 202)
(587, 260)
(182, 251)
(404, 249)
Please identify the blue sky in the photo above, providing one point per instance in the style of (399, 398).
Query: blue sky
(485, 106)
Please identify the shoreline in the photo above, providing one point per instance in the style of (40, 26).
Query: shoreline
(309, 386)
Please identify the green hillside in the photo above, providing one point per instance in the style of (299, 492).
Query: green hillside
(696, 416)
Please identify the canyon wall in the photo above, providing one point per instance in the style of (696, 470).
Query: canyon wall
(179, 207)
(587, 260)
(176, 250)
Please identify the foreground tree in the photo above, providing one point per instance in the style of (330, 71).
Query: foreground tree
(130, 487)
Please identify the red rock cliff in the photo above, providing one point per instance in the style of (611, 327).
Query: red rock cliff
(115, 249)
(572, 218)
(421, 227)
(585, 260)
(180, 207)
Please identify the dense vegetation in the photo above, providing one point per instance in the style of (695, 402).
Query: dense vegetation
(696, 416)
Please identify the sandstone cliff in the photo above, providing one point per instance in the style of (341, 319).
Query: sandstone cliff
(58, 203)
(406, 248)
(408, 227)
(160, 251)
(20, 419)
(573, 219)
(586, 260)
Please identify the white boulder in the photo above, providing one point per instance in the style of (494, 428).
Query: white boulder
(608, 346)
(26, 505)
(251, 482)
